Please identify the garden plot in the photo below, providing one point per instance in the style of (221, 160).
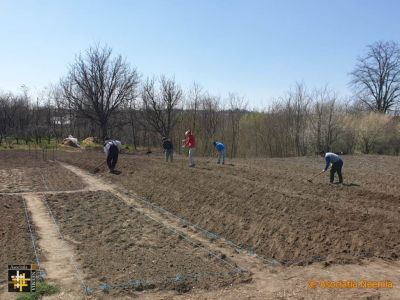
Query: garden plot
(116, 245)
(15, 240)
(20, 171)
(268, 206)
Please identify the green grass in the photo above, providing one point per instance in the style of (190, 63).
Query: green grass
(27, 296)
(42, 289)
(93, 146)
(10, 145)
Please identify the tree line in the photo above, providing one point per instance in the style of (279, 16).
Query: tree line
(102, 95)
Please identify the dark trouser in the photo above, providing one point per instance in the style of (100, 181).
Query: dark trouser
(169, 153)
(112, 157)
(337, 167)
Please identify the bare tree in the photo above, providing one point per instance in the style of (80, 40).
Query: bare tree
(296, 113)
(237, 108)
(97, 84)
(132, 111)
(371, 130)
(160, 104)
(209, 119)
(195, 96)
(376, 77)
(324, 119)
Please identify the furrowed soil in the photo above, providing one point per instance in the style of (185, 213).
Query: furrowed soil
(21, 171)
(268, 206)
(15, 241)
(117, 245)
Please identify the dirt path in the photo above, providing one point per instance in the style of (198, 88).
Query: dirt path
(58, 266)
(48, 192)
(269, 282)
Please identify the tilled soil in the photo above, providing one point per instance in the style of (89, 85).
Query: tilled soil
(15, 240)
(23, 172)
(118, 246)
(268, 206)
(16, 245)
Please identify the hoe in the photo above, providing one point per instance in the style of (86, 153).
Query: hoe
(310, 179)
(97, 169)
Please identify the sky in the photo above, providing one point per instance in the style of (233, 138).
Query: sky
(255, 49)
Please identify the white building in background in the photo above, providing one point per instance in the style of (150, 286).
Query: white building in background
(61, 120)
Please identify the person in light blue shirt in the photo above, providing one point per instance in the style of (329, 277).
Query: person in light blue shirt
(337, 164)
(220, 148)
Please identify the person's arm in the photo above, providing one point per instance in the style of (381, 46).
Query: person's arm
(119, 145)
(105, 148)
(215, 150)
(186, 142)
(327, 163)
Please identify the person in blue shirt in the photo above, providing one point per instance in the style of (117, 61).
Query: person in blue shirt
(337, 164)
(220, 148)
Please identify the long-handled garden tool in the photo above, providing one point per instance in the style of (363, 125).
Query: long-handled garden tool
(310, 179)
(97, 169)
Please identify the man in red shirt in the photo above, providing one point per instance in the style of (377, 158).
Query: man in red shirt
(190, 143)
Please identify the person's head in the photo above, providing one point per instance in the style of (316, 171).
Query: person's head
(188, 132)
(164, 138)
(322, 153)
(215, 143)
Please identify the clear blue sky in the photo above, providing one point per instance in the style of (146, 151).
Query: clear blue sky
(258, 49)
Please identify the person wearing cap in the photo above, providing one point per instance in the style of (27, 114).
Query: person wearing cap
(190, 143)
(112, 149)
(168, 149)
(220, 148)
(337, 164)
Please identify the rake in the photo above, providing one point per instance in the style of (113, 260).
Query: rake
(310, 179)
(97, 169)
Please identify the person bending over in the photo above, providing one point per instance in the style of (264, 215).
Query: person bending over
(220, 148)
(112, 149)
(337, 164)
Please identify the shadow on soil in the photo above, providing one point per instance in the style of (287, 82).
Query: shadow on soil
(351, 184)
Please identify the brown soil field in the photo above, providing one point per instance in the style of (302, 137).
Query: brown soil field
(15, 240)
(267, 205)
(21, 171)
(314, 230)
(117, 245)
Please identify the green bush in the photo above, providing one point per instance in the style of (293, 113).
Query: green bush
(42, 289)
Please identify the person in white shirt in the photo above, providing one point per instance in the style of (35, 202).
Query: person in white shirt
(337, 164)
(112, 149)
